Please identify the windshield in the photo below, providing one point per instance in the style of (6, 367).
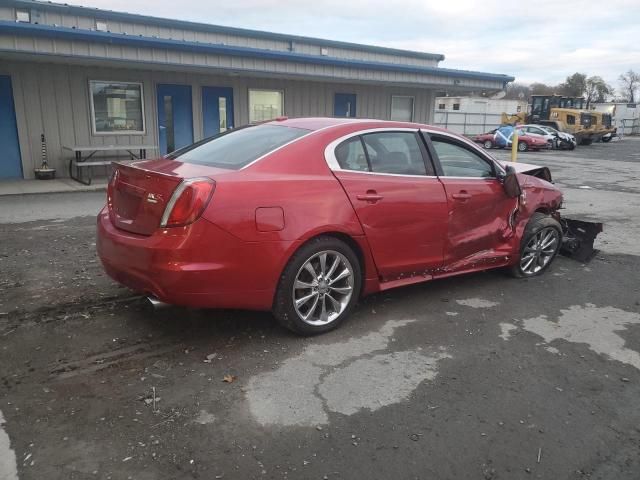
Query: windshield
(237, 148)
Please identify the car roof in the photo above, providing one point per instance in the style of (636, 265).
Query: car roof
(317, 123)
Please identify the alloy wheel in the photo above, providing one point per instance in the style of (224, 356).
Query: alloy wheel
(323, 287)
(539, 251)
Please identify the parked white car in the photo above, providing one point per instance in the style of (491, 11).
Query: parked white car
(558, 139)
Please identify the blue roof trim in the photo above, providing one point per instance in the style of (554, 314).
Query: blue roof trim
(48, 31)
(205, 27)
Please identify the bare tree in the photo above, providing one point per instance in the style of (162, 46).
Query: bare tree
(630, 82)
(518, 91)
(596, 90)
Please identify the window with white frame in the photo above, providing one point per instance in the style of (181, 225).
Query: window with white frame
(23, 16)
(265, 105)
(117, 107)
(402, 108)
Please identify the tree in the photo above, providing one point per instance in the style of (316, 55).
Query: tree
(630, 82)
(575, 85)
(538, 88)
(596, 90)
(518, 91)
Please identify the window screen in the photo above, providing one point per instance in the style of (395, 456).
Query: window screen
(117, 107)
(265, 105)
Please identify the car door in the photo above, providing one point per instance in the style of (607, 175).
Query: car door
(398, 199)
(478, 208)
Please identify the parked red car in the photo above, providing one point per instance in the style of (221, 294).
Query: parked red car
(303, 217)
(525, 142)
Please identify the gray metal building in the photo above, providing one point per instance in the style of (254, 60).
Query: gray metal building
(89, 77)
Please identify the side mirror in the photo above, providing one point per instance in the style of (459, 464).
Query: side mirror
(510, 183)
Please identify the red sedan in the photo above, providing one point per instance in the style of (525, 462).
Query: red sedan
(303, 217)
(525, 142)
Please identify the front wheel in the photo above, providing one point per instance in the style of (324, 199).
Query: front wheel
(319, 287)
(540, 244)
(523, 147)
(487, 144)
(606, 139)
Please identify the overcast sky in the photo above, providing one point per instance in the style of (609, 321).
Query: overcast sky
(542, 40)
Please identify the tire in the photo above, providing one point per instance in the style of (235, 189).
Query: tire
(606, 139)
(523, 146)
(488, 144)
(540, 225)
(572, 146)
(329, 302)
(586, 141)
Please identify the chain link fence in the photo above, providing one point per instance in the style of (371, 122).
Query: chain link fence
(629, 126)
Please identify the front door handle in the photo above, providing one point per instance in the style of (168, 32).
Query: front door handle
(462, 195)
(370, 197)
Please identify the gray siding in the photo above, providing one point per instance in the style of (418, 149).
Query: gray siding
(87, 22)
(54, 99)
(91, 51)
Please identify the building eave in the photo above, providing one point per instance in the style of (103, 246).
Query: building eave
(204, 27)
(75, 34)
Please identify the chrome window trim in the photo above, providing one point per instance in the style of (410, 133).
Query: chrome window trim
(332, 161)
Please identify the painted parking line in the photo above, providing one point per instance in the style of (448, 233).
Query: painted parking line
(8, 466)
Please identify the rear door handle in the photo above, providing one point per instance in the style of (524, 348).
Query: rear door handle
(462, 195)
(371, 197)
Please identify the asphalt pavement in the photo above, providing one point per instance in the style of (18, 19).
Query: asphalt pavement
(475, 377)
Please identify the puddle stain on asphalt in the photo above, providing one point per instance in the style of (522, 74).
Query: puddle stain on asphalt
(598, 327)
(477, 303)
(343, 377)
(506, 329)
(8, 465)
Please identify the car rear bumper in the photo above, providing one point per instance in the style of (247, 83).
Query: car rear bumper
(200, 265)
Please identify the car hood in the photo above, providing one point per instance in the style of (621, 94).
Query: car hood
(529, 169)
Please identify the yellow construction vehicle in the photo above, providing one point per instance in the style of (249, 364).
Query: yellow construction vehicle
(565, 114)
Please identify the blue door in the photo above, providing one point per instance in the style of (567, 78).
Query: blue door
(175, 117)
(10, 163)
(217, 110)
(344, 105)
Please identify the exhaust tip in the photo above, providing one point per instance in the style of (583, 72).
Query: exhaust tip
(156, 304)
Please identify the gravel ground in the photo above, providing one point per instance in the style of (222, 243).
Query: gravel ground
(480, 376)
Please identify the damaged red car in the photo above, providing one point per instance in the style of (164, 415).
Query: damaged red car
(305, 216)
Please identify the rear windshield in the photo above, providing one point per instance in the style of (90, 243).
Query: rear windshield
(236, 148)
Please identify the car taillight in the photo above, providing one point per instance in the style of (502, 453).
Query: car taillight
(111, 187)
(188, 202)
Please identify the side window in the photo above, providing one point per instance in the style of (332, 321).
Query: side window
(458, 161)
(395, 152)
(350, 155)
(571, 120)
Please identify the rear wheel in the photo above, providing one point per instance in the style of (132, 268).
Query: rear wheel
(319, 287)
(487, 144)
(540, 244)
(606, 139)
(523, 146)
